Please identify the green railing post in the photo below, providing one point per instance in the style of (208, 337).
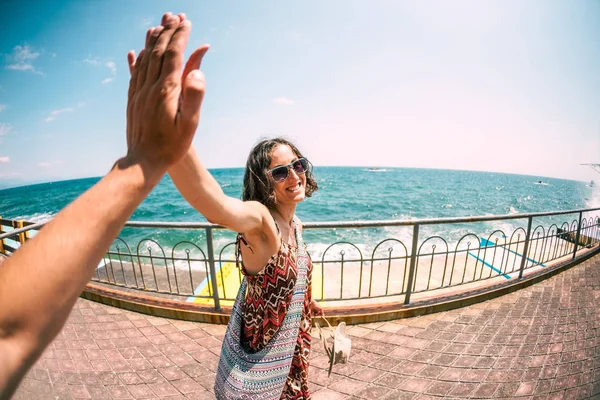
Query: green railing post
(413, 264)
(526, 249)
(2, 240)
(578, 235)
(212, 269)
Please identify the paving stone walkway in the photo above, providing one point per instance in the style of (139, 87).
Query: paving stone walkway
(542, 342)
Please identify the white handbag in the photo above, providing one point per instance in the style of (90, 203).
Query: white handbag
(339, 352)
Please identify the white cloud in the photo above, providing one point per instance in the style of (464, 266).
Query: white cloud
(3, 107)
(48, 164)
(62, 110)
(112, 66)
(5, 128)
(92, 61)
(54, 113)
(108, 64)
(4, 159)
(22, 59)
(284, 100)
(9, 174)
(146, 22)
(21, 67)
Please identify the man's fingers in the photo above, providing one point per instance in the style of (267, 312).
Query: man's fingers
(131, 92)
(157, 54)
(193, 92)
(131, 61)
(195, 85)
(143, 64)
(194, 61)
(173, 57)
(165, 17)
(134, 72)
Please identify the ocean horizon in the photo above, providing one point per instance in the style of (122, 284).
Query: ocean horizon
(345, 194)
(561, 192)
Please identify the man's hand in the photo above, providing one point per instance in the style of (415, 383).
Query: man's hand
(163, 107)
(162, 115)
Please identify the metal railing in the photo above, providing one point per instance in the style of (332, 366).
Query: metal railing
(344, 269)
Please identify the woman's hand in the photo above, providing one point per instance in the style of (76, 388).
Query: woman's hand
(163, 106)
(317, 310)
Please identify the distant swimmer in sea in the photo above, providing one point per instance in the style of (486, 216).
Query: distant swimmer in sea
(38, 284)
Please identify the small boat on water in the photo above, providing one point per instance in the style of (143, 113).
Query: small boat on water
(595, 167)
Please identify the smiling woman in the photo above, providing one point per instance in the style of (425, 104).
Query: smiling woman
(267, 160)
(275, 299)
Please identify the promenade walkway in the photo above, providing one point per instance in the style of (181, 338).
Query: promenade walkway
(542, 342)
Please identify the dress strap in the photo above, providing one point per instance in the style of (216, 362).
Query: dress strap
(276, 226)
(238, 250)
(242, 240)
(303, 256)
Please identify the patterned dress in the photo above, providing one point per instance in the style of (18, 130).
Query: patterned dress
(268, 294)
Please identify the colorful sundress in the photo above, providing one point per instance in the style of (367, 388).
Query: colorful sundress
(268, 294)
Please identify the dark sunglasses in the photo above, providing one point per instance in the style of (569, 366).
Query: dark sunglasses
(281, 173)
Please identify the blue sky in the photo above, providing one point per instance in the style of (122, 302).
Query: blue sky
(511, 86)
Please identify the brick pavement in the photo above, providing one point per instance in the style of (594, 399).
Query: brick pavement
(542, 342)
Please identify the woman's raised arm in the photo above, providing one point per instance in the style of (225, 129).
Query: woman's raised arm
(204, 193)
(199, 187)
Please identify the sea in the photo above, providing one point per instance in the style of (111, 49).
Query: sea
(345, 194)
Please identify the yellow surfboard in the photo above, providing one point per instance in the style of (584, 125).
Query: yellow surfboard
(228, 278)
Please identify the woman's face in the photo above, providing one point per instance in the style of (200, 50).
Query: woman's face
(291, 190)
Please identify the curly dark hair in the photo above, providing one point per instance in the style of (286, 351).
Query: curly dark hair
(257, 185)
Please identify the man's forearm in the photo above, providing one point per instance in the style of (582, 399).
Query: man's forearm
(43, 279)
(40, 283)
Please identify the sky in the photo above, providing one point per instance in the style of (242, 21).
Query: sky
(503, 86)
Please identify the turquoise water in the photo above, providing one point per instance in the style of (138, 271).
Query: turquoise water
(346, 193)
